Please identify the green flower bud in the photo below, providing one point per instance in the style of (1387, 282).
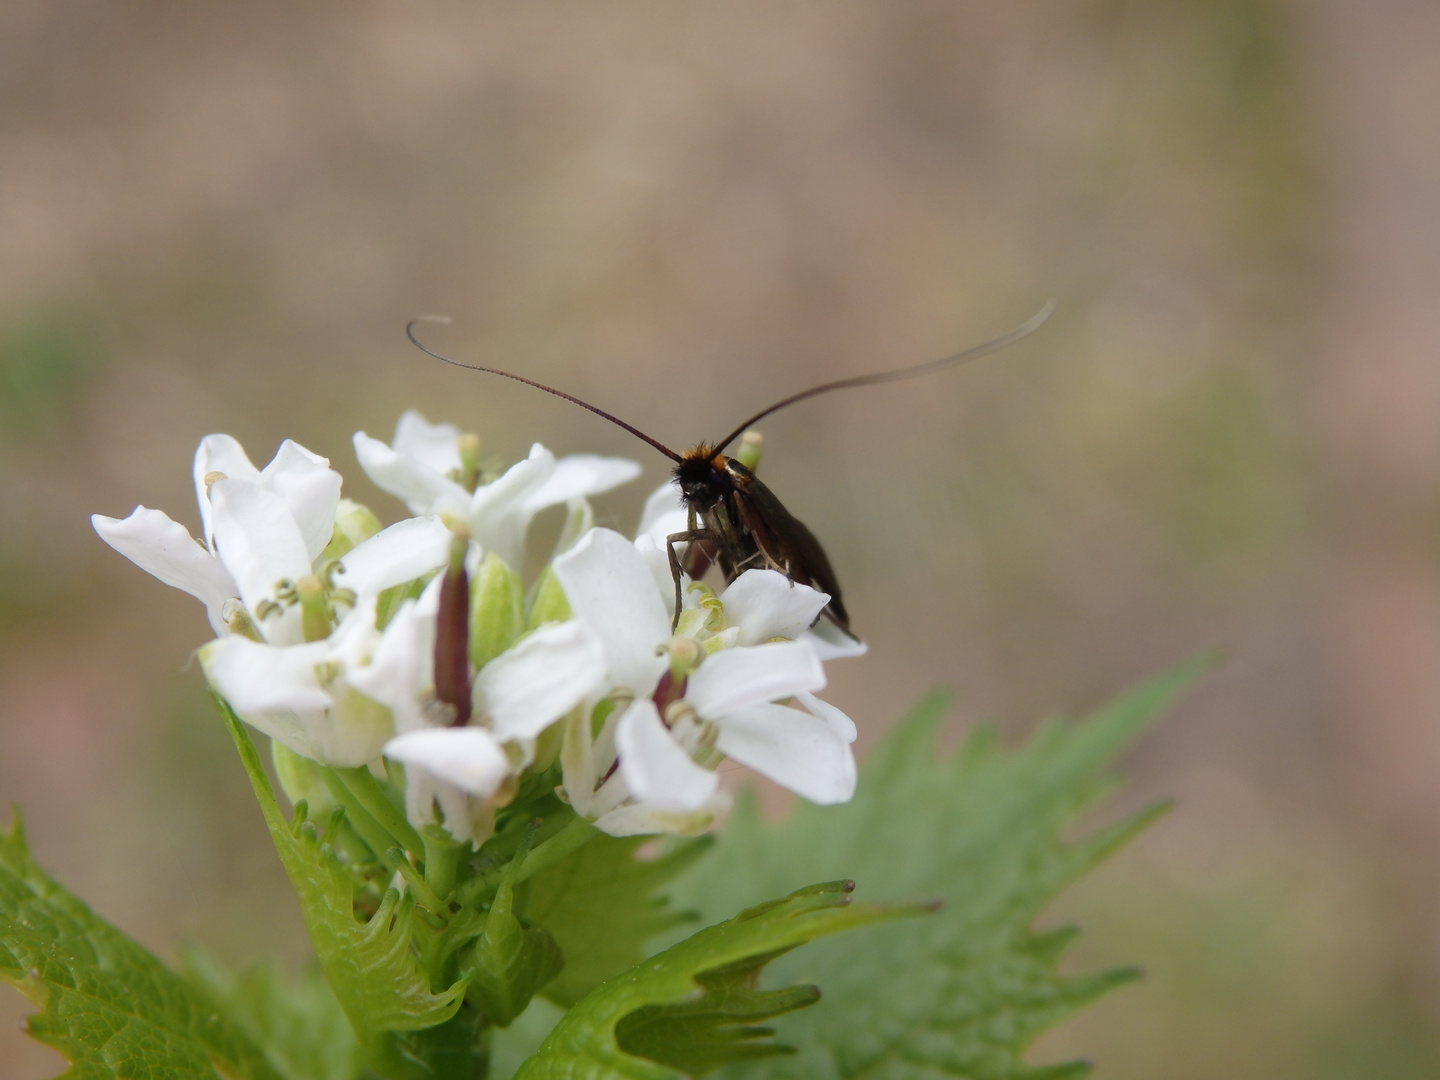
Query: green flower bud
(301, 780)
(547, 602)
(353, 523)
(497, 610)
(748, 452)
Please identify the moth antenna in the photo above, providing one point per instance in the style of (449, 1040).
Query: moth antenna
(410, 333)
(1025, 329)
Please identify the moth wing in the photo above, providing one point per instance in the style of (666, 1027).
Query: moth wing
(785, 540)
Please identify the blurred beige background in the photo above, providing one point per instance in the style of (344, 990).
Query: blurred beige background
(219, 217)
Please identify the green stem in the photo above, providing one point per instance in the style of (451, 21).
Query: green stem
(366, 789)
(571, 838)
(376, 838)
(575, 835)
(442, 863)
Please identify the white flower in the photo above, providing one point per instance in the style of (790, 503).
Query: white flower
(732, 697)
(458, 771)
(516, 697)
(265, 531)
(262, 527)
(423, 467)
(665, 514)
(297, 489)
(304, 695)
(313, 696)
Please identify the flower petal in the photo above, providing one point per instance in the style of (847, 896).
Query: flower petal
(579, 519)
(646, 820)
(609, 587)
(257, 540)
(470, 758)
(832, 643)
(656, 769)
(221, 454)
(423, 490)
(765, 604)
(579, 475)
(498, 512)
(527, 688)
(657, 559)
(841, 724)
(433, 445)
(400, 674)
(254, 677)
(310, 488)
(664, 514)
(579, 764)
(795, 749)
(162, 547)
(735, 678)
(400, 553)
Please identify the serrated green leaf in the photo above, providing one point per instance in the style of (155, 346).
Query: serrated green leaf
(717, 1028)
(962, 994)
(600, 906)
(105, 1002)
(300, 1027)
(370, 966)
(673, 1005)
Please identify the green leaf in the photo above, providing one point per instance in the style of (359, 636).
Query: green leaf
(962, 994)
(372, 966)
(718, 1027)
(105, 1002)
(301, 1028)
(510, 960)
(599, 905)
(690, 1006)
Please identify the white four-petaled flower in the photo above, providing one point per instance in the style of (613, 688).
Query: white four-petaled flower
(421, 468)
(300, 655)
(516, 696)
(264, 528)
(640, 774)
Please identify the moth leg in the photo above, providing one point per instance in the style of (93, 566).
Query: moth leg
(748, 561)
(688, 536)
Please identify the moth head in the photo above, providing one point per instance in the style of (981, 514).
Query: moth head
(702, 477)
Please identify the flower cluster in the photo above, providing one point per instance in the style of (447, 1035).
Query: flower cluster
(417, 650)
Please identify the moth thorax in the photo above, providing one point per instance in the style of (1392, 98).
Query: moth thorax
(702, 478)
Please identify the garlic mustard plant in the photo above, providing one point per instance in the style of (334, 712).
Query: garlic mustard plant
(497, 784)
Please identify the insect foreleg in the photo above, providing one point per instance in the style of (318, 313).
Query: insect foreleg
(689, 536)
